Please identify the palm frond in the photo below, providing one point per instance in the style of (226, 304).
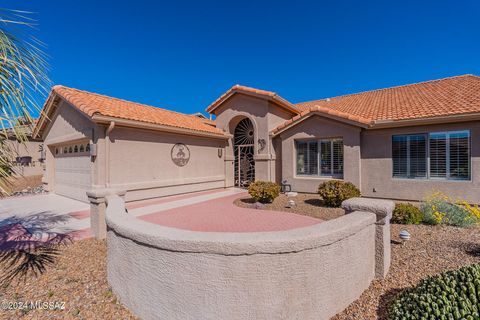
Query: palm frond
(23, 81)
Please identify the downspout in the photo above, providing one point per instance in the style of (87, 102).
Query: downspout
(107, 152)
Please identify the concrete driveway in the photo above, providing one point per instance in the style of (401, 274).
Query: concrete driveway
(30, 220)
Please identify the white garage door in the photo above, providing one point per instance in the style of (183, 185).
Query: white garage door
(73, 172)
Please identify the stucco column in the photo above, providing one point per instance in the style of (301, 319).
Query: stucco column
(98, 208)
(383, 210)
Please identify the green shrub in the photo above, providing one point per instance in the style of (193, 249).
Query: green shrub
(450, 295)
(334, 192)
(441, 209)
(264, 191)
(406, 213)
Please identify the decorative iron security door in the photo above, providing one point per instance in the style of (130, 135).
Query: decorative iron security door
(244, 151)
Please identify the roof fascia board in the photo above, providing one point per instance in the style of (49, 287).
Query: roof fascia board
(275, 98)
(324, 115)
(98, 118)
(44, 114)
(381, 124)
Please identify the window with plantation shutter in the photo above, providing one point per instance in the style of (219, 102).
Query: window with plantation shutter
(400, 156)
(307, 158)
(438, 155)
(337, 157)
(448, 155)
(459, 155)
(409, 156)
(320, 157)
(302, 154)
(326, 157)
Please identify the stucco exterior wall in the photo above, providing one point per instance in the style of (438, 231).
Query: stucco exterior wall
(30, 148)
(265, 116)
(140, 162)
(318, 127)
(377, 166)
(66, 125)
(306, 273)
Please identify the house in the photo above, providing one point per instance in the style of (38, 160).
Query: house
(28, 153)
(402, 143)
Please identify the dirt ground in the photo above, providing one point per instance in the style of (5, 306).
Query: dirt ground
(306, 204)
(17, 184)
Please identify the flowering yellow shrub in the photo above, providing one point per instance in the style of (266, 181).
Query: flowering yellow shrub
(439, 208)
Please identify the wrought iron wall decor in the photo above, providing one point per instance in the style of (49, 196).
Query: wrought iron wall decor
(261, 145)
(180, 154)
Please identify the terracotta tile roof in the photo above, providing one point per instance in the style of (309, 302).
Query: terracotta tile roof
(93, 103)
(458, 95)
(435, 98)
(243, 89)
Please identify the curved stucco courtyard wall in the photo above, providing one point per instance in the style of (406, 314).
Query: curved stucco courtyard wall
(307, 273)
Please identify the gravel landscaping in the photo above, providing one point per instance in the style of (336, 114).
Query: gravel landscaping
(24, 186)
(78, 277)
(306, 204)
(432, 250)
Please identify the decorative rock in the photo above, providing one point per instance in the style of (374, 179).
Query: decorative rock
(291, 194)
(258, 205)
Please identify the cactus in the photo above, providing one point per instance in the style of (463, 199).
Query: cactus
(452, 295)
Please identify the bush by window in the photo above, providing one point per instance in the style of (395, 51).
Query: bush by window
(406, 213)
(334, 192)
(264, 191)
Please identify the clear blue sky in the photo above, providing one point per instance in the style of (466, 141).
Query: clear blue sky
(182, 55)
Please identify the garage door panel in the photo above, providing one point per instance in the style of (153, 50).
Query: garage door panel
(73, 176)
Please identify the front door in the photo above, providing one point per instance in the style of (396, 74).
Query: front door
(244, 166)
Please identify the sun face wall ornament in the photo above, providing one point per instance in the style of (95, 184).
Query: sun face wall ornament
(180, 154)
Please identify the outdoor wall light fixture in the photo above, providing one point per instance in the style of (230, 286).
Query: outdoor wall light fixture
(93, 150)
(220, 152)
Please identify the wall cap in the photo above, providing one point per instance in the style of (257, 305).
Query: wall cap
(232, 243)
(99, 195)
(382, 208)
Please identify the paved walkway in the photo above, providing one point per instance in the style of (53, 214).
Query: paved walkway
(31, 220)
(217, 213)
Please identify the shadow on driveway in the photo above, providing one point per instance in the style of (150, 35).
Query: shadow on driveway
(29, 244)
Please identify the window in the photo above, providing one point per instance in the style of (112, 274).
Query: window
(323, 157)
(409, 154)
(82, 148)
(87, 147)
(443, 155)
(70, 150)
(75, 149)
(56, 150)
(307, 158)
(450, 155)
(65, 150)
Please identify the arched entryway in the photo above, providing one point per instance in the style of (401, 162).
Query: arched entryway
(244, 149)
